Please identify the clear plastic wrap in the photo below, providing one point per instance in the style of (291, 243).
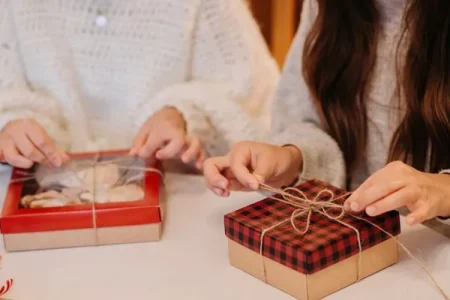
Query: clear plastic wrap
(83, 181)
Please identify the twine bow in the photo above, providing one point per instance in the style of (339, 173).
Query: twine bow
(324, 203)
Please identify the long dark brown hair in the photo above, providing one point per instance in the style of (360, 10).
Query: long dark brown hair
(338, 59)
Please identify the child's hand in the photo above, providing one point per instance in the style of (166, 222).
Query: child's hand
(250, 163)
(399, 185)
(163, 136)
(24, 142)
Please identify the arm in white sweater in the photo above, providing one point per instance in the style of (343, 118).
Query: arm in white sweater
(233, 76)
(295, 120)
(17, 99)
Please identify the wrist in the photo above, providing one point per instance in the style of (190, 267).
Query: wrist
(295, 164)
(173, 115)
(444, 212)
(296, 156)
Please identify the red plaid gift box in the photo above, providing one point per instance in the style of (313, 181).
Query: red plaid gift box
(324, 260)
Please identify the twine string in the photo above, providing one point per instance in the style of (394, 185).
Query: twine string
(305, 206)
(95, 163)
(94, 197)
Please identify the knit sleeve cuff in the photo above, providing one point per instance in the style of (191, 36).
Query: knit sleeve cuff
(319, 165)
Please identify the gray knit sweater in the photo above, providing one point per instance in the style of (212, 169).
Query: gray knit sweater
(295, 120)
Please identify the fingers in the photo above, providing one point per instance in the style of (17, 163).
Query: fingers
(235, 185)
(200, 160)
(240, 160)
(24, 142)
(212, 173)
(139, 141)
(263, 170)
(28, 149)
(172, 149)
(65, 157)
(152, 144)
(40, 140)
(391, 202)
(418, 216)
(12, 155)
(193, 151)
(171, 126)
(378, 186)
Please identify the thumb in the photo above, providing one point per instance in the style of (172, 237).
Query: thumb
(418, 216)
(260, 178)
(263, 171)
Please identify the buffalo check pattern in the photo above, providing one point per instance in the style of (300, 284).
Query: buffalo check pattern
(327, 242)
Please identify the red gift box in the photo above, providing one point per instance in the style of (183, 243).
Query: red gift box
(319, 262)
(131, 220)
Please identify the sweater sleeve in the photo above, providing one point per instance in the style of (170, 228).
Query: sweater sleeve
(233, 76)
(295, 120)
(18, 100)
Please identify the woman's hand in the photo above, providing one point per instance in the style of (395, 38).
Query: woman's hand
(398, 185)
(24, 142)
(163, 136)
(250, 163)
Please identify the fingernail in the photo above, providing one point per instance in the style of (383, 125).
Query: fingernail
(371, 210)
(354, 206)
(410, 220)
(217, 191)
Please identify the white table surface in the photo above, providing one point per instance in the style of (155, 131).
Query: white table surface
(191, 262)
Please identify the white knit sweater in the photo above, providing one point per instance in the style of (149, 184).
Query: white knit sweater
(92, 71)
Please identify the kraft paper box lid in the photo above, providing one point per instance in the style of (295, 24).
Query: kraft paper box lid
(327, 242)
(16, 219)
